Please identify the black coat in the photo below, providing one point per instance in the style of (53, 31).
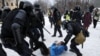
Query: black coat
(73, 28)
(39, 18)
(56, 16)
(77, 16)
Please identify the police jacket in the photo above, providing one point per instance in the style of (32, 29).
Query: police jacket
(73, 28)
(56, 16)
(39, 18)
(77, 16)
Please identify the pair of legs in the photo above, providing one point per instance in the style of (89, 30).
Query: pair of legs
(41, 33)
(34, 38)
(34, 35)
(57, 28)
(21, 49)
(94, 23)
(51, 20)
(74, 48)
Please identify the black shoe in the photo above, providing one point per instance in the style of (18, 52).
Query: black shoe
(72, 50)
(78, 54)
(43, 39)
(53, 35)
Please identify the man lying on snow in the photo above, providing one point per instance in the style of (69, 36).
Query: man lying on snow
(57, 48)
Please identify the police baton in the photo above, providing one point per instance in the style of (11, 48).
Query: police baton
(46, 30)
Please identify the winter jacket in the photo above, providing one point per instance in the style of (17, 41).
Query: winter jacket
(87, 19)
(4, 14)
(40, 18)
(77, 16)
(73, 28)
(56, 16)
(57, 50)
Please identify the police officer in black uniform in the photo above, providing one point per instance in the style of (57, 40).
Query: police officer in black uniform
(33, 33)
(74, 28)
(57, 22)
(77, 15)
(14, 29)
(41, 21)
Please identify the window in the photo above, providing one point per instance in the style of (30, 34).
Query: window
(11, 4)
(7, 4)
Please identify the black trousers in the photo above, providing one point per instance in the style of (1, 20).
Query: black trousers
(51, 20)
(34, 35)
(57, 28)
(44, 50)
(21, 49)
(2, 52)
(73, 46)
(41, 32)
(37, 44)
(95, 23)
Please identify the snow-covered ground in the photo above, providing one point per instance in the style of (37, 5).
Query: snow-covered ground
(91, 46)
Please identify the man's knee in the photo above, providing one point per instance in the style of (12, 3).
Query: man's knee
(15, 26)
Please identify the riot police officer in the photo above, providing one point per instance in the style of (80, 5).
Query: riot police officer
(57, 22)
(41, 21)
(14, 29)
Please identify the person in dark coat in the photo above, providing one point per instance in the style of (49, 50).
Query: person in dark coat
(41, 21)
(50, 16)
(71, 13)
(14, 29)
(33, 32)
(73, 28)
(57, 22)
(91, 7)
(87, 19)
(95, 17)
(77, 16)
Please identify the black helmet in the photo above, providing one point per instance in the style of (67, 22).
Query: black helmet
(54, 8)
(26, 5)
(21, 4)
(36, 6)
(6, 8)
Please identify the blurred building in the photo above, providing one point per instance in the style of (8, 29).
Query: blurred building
(97, 3)
(10, 3)
(1, 3)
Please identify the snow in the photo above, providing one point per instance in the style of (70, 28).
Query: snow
(91, 46)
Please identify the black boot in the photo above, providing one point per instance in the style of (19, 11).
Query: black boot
(43, 39)
(72, 50)
(53, 35)
(77, 53)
